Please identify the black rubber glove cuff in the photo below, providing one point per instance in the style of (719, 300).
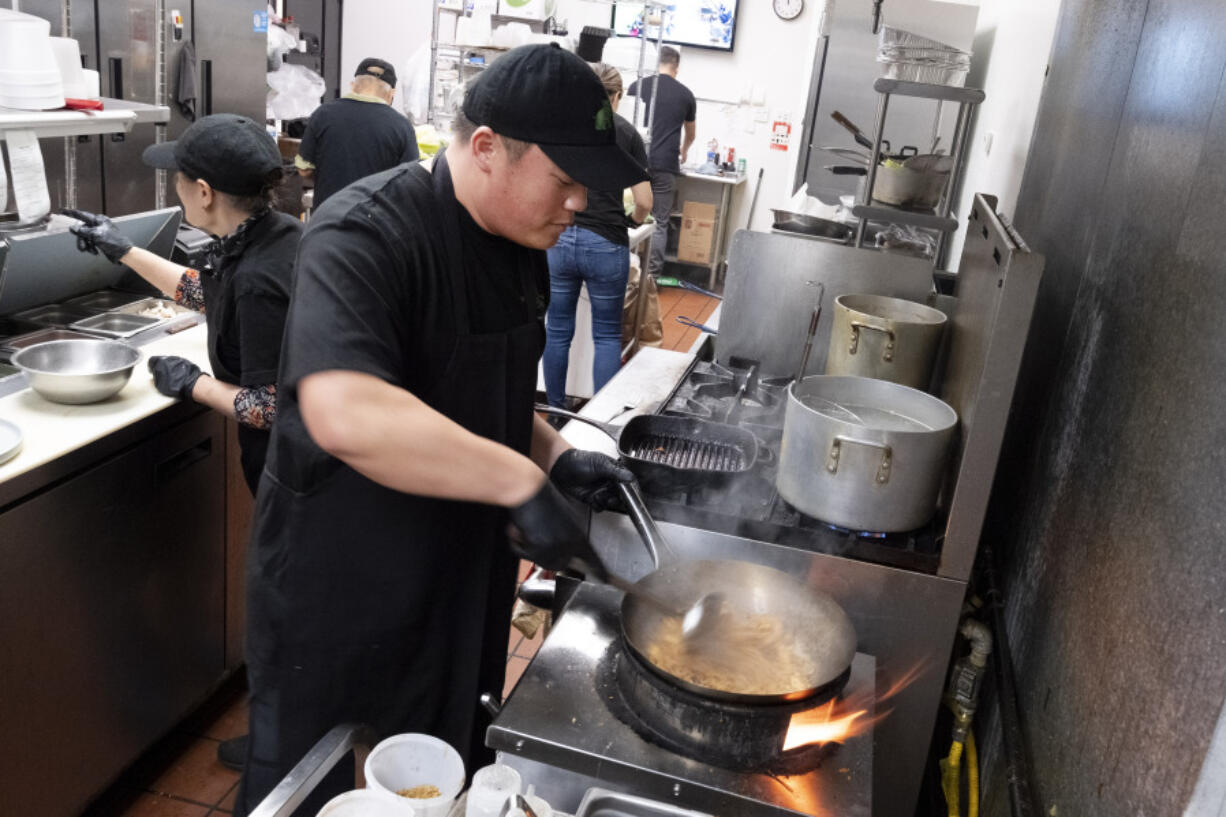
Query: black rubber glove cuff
(550, 535)
(174, 376)
(591, 478)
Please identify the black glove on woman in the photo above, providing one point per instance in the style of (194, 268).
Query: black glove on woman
(590, 477)
(174, 376)
(99, 234)
(551, 536)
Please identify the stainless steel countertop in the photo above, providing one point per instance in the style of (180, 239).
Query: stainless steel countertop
(557, 716)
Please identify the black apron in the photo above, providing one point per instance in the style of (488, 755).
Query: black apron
(355, 614)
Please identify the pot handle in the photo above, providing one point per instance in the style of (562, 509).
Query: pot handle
(888, 353)
(836, 449)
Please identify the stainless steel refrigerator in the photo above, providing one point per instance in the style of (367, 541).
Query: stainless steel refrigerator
(137, 49)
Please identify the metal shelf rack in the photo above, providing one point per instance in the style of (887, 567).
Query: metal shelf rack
(939, 219)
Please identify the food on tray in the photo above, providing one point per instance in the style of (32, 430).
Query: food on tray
(422, 792)
(159, 311)
(747, 654)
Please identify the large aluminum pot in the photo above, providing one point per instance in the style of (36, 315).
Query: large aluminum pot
(884, 338)
(863, 454)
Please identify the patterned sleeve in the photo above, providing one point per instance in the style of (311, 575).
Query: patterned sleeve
(189, 292)
(256, 406)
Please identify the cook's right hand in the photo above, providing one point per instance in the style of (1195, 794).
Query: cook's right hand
(550, 535)
(99, 234)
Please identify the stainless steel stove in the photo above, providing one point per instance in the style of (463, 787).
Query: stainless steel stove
(563, 724)
(903, 593)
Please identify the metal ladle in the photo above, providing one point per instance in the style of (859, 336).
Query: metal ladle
(700, 619)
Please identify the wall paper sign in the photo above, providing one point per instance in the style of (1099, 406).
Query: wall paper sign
(259, 22)
(781, 134)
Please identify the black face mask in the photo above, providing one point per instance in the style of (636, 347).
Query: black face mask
(231, 244)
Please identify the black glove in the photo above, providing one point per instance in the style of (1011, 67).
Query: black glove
(590, 477)
(99, 234)
(550, 535)
(174, 376)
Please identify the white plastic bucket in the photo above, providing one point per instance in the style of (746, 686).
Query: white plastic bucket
(31, 76)
(366, 803)
(406, 761)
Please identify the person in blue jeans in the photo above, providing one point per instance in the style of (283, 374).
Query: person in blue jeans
(594, 250)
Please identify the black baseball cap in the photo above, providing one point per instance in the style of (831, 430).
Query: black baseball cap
(552, 98)
(232, 153)
(382, 70)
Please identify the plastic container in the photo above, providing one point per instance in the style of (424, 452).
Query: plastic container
(405, 761)
(29, 74)
(67, 53)
(366, 803)
(491, 787)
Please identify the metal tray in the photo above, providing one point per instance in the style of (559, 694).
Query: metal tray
(116, 325)
(11, 328)
(605, 803)
(42, 336)
(52, 315)
(136, 307)
(107, 300)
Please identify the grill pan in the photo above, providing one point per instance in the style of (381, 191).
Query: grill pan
(668, 453)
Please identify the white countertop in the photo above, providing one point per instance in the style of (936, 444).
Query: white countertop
(642, 384)
(733, 179)
(51, 430)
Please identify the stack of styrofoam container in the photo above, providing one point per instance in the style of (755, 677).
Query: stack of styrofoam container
(912, 58)
(29, 74)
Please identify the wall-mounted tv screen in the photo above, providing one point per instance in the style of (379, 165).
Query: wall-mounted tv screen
(699, 23)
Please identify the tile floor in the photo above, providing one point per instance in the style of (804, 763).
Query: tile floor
(180, 776)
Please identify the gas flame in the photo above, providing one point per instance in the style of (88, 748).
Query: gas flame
(842, 719)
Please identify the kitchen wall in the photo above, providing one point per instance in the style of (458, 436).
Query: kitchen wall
(376, 28)
(1011, 48)
(1107, 513)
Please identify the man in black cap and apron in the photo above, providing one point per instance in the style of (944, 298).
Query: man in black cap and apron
(380, 582)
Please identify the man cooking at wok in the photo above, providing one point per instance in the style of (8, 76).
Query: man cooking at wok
(379, 578)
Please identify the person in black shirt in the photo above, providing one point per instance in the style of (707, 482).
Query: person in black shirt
(675, 113)
(356, 135)
(379, 579)
(595, 251)
(227, 170)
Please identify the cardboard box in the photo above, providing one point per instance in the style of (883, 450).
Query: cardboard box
(697, 233)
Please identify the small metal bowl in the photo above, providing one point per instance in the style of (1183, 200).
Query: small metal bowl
(77, 371)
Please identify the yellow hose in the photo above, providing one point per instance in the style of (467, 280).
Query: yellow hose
(972, 775)
(952, 777)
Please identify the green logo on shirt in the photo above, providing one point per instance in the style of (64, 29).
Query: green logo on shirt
(604, 117)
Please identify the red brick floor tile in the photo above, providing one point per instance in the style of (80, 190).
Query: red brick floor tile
(227, 803)
(156, 805)
(515, 670)
(196, 775)
(527, 647)
(513, 642)
(229, 723)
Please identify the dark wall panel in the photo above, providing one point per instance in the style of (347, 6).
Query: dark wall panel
(1111, 515)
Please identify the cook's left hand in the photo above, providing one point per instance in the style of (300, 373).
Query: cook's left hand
(590, 477)
(174, 376)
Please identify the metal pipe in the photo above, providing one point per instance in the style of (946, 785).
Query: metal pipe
(883, 104)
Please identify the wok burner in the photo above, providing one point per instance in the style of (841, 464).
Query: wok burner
(741, 737)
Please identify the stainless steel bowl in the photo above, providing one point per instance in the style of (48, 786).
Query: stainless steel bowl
(77, 371)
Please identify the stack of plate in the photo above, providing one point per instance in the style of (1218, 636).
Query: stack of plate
(29, 74)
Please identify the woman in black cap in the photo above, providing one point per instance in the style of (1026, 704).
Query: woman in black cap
(227, 169)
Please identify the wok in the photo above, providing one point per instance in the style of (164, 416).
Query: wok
(804, 644)
(669, 453)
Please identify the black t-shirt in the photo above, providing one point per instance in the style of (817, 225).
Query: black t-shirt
(348, 139)
(675, 107)
(246, 298)
(372, 294)
(606, 214)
